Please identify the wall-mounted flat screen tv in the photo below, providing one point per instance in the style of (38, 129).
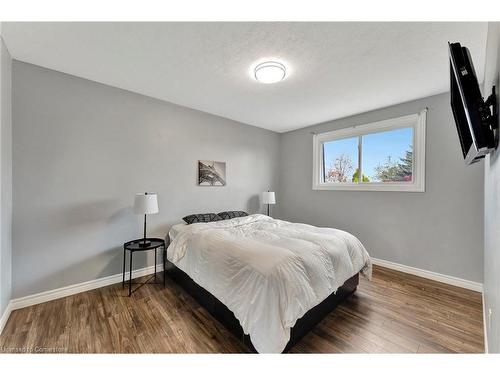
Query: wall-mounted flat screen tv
(474, 121)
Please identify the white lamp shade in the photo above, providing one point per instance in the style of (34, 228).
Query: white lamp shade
(268, 197)
(146, 204)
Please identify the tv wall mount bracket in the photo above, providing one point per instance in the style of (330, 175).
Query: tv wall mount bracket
(490, 117)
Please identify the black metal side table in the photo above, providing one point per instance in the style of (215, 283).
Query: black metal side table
(135, 245)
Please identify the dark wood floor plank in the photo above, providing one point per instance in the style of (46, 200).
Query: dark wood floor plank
(394, 313)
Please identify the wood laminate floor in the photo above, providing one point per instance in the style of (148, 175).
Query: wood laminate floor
(394, 313)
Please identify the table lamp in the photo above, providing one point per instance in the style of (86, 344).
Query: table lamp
(268, 198)
(145, 204)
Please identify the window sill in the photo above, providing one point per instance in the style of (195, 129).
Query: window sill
(372, 187)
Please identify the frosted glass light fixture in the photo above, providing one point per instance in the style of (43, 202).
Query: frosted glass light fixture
(270, 72)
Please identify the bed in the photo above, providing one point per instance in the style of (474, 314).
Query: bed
(269, 281)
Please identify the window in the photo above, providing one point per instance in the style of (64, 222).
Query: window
(381, 156)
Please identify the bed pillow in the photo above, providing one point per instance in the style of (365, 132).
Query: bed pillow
(201, 218)
(231, 214)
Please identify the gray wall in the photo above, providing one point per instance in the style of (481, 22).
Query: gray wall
(81, 150)
(5, 178)
(440, 230)
(492, 204)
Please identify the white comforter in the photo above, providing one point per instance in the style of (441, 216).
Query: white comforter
(268, 272)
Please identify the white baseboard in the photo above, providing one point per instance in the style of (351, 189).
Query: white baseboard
(34, 299)
(5, 316)
(485, 328)
(462, 283)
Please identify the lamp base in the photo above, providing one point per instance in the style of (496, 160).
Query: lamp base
(144, 244)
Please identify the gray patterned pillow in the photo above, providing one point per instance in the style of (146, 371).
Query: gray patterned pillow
(231, 214)
(201, 218)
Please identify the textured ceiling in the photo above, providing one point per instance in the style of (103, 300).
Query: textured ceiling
(335, 69)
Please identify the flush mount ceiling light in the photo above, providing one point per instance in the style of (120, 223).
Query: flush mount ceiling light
(270, 72)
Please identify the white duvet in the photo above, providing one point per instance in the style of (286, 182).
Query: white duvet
(268, 272)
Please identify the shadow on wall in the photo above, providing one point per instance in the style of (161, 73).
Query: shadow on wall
(123, 216)
(253, 204)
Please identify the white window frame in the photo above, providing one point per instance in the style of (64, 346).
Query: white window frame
(417, 121)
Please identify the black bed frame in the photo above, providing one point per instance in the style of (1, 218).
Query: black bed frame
(220, 311)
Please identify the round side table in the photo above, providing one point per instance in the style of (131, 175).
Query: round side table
(138, 245)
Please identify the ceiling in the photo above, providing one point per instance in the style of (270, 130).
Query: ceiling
(334, 69)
